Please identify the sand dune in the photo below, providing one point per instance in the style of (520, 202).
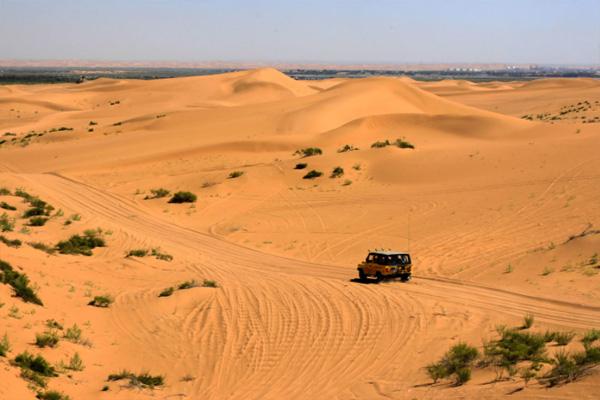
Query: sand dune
(499, 213)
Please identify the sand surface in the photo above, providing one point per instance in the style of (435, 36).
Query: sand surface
(490, 205)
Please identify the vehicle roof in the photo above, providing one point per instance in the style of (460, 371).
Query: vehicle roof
(388, 253)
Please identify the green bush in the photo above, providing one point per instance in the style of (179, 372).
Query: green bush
(235, 174)
(346, 148)
(528, 321)
(4, 346)
(167, 292)
(137, 253)
(160, 255)
(52, 395)
(380, 144)
(46, 339)
(16, 243)
(42, 247)
(20, 192)
(81, 244)
(19, 282)
(4, 191)
(312, 174)
(188, 284)
(456, 363)
(563, 338)
(301, 166)
(209, 283)
(101, 301)
(34, 377)
(4, 205)
(514, 346)
(157, 194)
(183, 197)
(337, 172)
(144, 379)
(73, 334)
(38, 221)
(36, 364)
(403, 144)
(309, 152)
(590, 337)
(7, 224)
(564, 370)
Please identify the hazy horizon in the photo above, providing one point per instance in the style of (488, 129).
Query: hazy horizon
(554, 32)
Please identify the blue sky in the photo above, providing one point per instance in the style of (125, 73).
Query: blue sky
(337, 31)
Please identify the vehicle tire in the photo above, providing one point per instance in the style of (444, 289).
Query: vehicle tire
(378, 276)
(405, 277)
(361, 275)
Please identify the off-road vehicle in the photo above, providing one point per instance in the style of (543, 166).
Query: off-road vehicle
(385, 265)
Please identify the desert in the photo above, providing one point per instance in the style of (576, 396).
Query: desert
(247, 289)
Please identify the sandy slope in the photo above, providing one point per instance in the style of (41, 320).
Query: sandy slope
(481, 191)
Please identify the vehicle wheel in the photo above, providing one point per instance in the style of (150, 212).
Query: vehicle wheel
(361, 275)
(378, 276)
(405, 278)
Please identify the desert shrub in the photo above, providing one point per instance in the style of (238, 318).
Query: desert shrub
(42, 247)
(53, 324)
(20, 192)
(235, 174)
(137, 253)
(81, 244)
(144, 379)
(188, 284)
(337, 172)
(19, 282)
(156, 252)
(347, 182)
(16, 243)
(101, 301)
(403, 144)
(528, 321)
(46, 339)
(209, 283)
(346, 148)
(52, 395)
(167, 292)
(4, 191)
(564, 370)
(312, 174)
(7, 224)
(309, 152)
(356, 167)
(157, 194)
(75, 363)
(4, 345)
(380, 144)
(38, 221)
(73, 334)
(4, 205)
(34, 378)
(183, 197)
(513, 347)
(563, 338)
(301, 166)
(590, 337)
(456, 363)
(92, 123)
(36, 364)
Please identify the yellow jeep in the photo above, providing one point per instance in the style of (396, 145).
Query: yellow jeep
(385, 265)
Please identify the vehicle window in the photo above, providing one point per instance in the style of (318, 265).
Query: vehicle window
(394, 260)
(405, 259)
(370, 258)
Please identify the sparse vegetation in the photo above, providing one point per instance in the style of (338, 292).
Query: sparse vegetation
(144, 379)
(188, 284)
(37, 364)
(47, 339)
(137, 253)
(156, 252)
(403, 144)
(528, 321)
(52, 395)
(308, 152)
(209, 283)
(167, 292)
(301, 166)
(5, 206)
(73, 334)
(7, 224)
(312, 174)
(347, 182)
(398, 143)
(456, 363)
(346, 148)
(82, 244)
(75, 363)
(101, 301)
(19, 282)
(42, 247)
(16, 243)
(4, 191)
(5, 346)
(235, 174)
(183, 197)
(337, 172)
(38, 221)
(157, 194)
